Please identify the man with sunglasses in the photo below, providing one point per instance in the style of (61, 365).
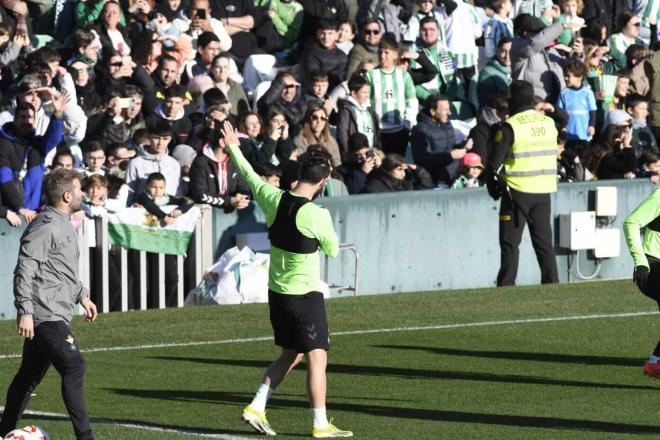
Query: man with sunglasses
(284, 93)
(366, 48)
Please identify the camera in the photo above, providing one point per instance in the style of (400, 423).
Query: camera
(362, 158)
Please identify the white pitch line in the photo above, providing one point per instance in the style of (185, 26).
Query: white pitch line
(132, 425)
(362, 332)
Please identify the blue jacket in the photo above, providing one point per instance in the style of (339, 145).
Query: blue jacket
(431, 144)
(23, 190)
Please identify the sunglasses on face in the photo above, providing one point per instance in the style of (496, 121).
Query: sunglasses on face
(290, 86)
(371, 31)
(319, 118)
(638, 24)
(118, 64)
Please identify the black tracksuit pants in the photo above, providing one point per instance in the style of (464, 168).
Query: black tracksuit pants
(53, 343)
(516, 211)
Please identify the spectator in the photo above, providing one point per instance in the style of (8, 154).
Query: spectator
(287, 17)
(88, 98)
(627, 33)
(463, 28)
(316, 131)
(315, 11)
(426, 8)
(391, 15)
(323, 55)
(356, 115)
(318, 91)
(94, 159)
(571, 11)
(532, 61)
(345, 36)
(471, 169)
(22, 155)
(394, 174)
(240, 19)
(433, 142)
(435, 50)
(208, 47)
(649, 166)
(579, 102)
(111, 31)
(360, 161)
(121, 119)
(643, 140)
(201, 22)
(334, 187)
(269, 173)
(612, 156)
(495, 77)
(155, 158)
(489, 116)
(366, 48)
(219, 73)
(393, 99)
(215, 181)
(184, 154)
(499, 27)
(171, 111)
(63, 159)
(284, 93)
(253, 146)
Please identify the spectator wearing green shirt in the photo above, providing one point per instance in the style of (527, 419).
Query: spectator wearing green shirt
(297, 228)
(287, 16)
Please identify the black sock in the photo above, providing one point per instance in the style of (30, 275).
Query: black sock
(656, 352)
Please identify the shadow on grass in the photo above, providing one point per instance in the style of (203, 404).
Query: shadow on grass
(524, 356)
(423, 415)
(138, 424)
(414, 373)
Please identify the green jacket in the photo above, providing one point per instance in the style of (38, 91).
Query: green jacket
(287, 20)
(644, 218)
(494, 79)
(87, 13)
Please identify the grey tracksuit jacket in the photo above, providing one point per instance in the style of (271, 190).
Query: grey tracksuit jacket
(46, 282)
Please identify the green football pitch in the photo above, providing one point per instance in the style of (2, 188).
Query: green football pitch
(558, 362)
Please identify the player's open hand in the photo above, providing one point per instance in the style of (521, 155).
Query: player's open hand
(229, 134)
(26, 326)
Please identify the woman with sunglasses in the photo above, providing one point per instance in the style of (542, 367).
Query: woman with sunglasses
(627, 33)
(612, 156)
(316, 131)
(365, 49)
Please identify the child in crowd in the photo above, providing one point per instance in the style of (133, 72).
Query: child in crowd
(154, 196)
(269, 173)
(471, 170)
(500, 26)
(98, 201)
(347, 31)
(642, 137)
(579, 102)
(356, 115)
(94, 158)
(571, 11)
(318, 91)
(649, 166)
(10, 48)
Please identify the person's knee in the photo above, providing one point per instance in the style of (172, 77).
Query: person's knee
(317, 357)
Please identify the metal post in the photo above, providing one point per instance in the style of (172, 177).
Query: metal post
(123, 262)
(161, 281)
(143, 280)
(102, 244)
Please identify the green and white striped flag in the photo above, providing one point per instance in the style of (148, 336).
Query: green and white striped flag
(135, 228)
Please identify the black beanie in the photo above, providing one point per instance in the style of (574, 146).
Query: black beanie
(521, 94)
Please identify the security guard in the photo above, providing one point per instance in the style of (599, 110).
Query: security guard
(522, 171)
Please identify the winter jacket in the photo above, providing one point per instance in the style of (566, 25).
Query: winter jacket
(361, 52)
(22, 165)
(181, 125)
(615, 165)
(601, 9)
(654, 62)
(480, 133)
(354, 178)
(139, 168)
(380, 181)
(331, 61)
(347, 123)
(287, 20)
(541, 67)
(301, 143)
(294, 111)
(205, 184)
(494, 80)
(431, 144)
(257, 152)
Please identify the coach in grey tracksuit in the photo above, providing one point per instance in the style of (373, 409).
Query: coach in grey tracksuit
(46, 290)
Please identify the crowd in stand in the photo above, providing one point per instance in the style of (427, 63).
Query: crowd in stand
(403, 94)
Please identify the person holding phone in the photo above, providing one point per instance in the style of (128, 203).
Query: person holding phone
(200, 20)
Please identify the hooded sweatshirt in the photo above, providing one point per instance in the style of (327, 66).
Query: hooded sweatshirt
(146, 163)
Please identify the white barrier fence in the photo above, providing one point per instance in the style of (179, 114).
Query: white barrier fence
(93, 235)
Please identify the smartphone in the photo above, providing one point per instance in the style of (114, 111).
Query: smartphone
(201, 14)
(126, 102)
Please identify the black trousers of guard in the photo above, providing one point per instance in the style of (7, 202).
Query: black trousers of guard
(516, 211)
(53, 344)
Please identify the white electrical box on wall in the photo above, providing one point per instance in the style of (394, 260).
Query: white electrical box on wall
(606, 201)
(577, 230)
(608, 243)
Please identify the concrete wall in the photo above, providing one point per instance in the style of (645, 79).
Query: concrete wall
(424, 240)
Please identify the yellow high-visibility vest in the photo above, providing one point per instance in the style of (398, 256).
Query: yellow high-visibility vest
(531, 164)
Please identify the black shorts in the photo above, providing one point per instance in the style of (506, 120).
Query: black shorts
(652, 289)
(299, 321)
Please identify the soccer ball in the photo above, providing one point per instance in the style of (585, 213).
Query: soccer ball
(28, 433)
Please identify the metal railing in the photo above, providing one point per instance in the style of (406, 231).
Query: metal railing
(93, 233)
(338, 287)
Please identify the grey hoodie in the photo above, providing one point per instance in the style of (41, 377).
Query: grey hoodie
(46, 282)
(146, 163)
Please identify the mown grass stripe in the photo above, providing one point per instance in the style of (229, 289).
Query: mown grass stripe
(365, 332)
